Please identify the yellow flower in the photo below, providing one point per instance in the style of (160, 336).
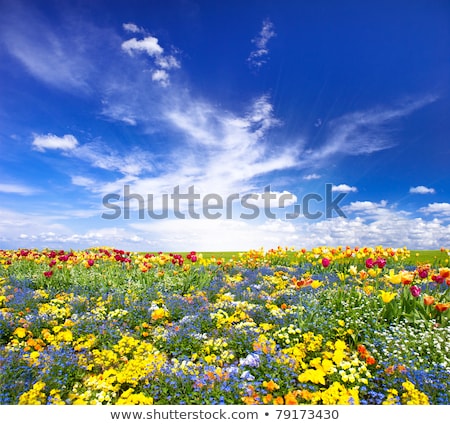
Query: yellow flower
(313, 375)
(394, 278)
(65, 336)
(267, 398)
(271, 385)
(20, 332)
(266, 326)
(159, 313)
(412, 395)
(353, 270)
(373, 272)
(340, 345)
(341, 276)
(387, 297)
(315, 284)
(368, 289)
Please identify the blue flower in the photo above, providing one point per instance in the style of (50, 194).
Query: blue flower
(247, 376)
(252, 360)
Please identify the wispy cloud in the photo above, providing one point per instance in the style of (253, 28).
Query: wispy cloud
(133, 28)
(83, 181)
(150, 45)
(100, 155)
(422, 190)
(59, 55)
(312, 176)
(161, 76)
(259, 56)
(232, 149)
(16, 189)
(362, 132)
(97, 154)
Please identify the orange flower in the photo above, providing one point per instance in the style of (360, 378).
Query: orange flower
(401, 368)
(302, 282)
(363, 274)
(442, 307)
(444, 272)
(428, 299)
(159, 313)
(271, 386)
(279, 401)
(267, 398)
(370, 360)
(390, 370)
(362, 350)
(249, 400)
(290, 399)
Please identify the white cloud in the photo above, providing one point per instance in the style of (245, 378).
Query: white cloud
(14, 223)
(224, 152)
(61, 56)
(438, 208)
(312, 176)
(366, 205)
(343, 188)
(258, 57)
(148, 45)
(390, 230)
(161, 77)
(100, 155)
(17, 189)
(151, 46)
(82, 181)
(167, 62)
(422, 190)
(130, 27)
(97, 154)
(42, 142)
(375, 225)
(361, 132)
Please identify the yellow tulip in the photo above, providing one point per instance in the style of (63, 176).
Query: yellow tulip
(394, 278)
(387, 297)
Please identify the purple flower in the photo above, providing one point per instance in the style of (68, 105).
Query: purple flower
(381, 262)
(369, 263)
(415, 291)
(247, 376)
(251, 360)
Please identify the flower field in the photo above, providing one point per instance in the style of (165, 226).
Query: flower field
(324, 326)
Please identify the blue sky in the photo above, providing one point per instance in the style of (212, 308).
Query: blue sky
(242, 99)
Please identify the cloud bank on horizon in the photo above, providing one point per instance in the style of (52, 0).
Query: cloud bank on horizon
(283, 102)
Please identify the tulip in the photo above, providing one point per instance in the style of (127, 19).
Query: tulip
(428, 299)
(423, 273)
(387, 297)
(442, 307)
(415, 291)
(444, 272)
(381, 262)
(325, 262)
